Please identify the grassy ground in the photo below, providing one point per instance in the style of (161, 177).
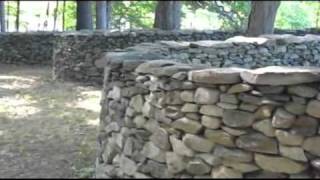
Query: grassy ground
(47, 128)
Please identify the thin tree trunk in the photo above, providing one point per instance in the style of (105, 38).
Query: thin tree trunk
(18, 16)
(84, 15)
(167, 15)
(55, 15)
(262, 17)
(101, 15)
(108, 14)
(8, 13)
(63, 15)
(45, 23)
(2, 17)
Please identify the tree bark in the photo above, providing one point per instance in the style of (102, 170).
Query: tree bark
(18, 16)
(8, 13)
(262, 17)
(55, 15)
(167, 15)
(101, 15)
(108, 14)
(84, 15)
(63, 14)
(2, 17)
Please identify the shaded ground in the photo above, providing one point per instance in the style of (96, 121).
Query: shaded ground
(47, 128)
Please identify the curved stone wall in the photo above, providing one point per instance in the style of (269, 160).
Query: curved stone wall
(76, 52)
(164, 119)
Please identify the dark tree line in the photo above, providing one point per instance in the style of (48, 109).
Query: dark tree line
(167, 16)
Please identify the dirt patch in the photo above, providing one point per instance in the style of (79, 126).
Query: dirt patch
(48, 128)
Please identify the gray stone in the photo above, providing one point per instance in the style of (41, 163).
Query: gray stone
(264, 112)
(219, 137)
(227, 105)
(128, 166)
(236, 155)
(270, 89)
(136, 103)
(211, 110)
(299, 100)
(206, 96)
(311, 145)
(280, 75)
(173, 98)
(139, 121)
(180, 148)
(242, 167)
(233, 132)
(216, 75)
(265, 127)
(225, 173)
(175, 162)
(198, 167)
(153, 152)
(187, 96)
(248, 107)
(128, 147)
(238, 88)
(303, 91)
(210, 122)
(155, 169)
(193, 116)
(313, 108)
(305, 126)
(295, 108)
(287, 138)
(160, 138)
(282, 119)
(188, 107)
(236, 118)
(229, 98)
(257, 142)
(210, 158)
(187, 125)
(278, 164)
(197, 143)
(295, 153)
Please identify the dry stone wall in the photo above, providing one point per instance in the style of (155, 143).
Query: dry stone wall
(76, 52)
(166, 119)
(238, 51)
(27, 48)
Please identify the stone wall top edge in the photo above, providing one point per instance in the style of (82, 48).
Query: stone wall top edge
(270, 75)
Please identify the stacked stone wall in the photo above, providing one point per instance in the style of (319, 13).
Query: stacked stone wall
(167, 119)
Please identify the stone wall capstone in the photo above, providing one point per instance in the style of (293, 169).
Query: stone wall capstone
(167, 119)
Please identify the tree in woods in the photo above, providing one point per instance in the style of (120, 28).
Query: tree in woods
(55, 15)
(84, 15)
(101, 14)
(168, 15)
(262, 17)
(2, 17)
(108, 14)
(18, 16)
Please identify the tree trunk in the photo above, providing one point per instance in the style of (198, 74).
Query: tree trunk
(63, 14)
(45, 23)
(108, 14)
(262, 17)
(101, 15)
(167, 15)
(84, 15)
(8, 13)
(2, 17)
(18, 16)
(55, 15)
